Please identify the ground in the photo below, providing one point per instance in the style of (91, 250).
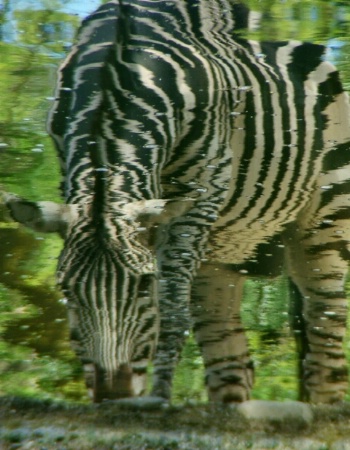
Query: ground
(41, 425)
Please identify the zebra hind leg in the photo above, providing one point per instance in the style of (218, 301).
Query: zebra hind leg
(319, 271)
(216, 300)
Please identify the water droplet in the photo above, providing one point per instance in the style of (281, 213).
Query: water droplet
(244, 88)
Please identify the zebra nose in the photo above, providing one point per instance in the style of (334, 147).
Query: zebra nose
(108, 385)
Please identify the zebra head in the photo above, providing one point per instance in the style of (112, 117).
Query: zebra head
(108, 276)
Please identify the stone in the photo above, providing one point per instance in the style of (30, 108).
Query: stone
(341, 444)
(273, 411)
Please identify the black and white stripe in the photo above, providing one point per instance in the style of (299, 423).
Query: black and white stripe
(185, 149)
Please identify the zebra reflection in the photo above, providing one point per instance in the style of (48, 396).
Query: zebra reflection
(184, 150)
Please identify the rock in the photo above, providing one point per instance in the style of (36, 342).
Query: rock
(278, 412)
(265, 443)
(17, 435)
(146, 403)
(55, 434)
(341, 444)
(308, 444)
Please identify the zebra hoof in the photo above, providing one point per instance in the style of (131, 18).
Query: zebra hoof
(147, 403)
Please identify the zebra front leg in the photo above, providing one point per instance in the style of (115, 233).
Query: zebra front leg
(216, 301)
(174, 327)
(180, 247)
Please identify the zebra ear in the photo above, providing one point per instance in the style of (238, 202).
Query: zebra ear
(157, 210)
(43, 216)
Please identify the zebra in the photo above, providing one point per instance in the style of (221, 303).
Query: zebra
(186, 152)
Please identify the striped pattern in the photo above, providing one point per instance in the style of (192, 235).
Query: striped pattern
(161, 100)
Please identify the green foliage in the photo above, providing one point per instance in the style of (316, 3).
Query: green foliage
(12, 304)
(25, 85)
(31, 362)
(304, 20)
(36, 358)
(188, 381)
(266, 303)
(46, 29)
(24, 373)
(266, 319)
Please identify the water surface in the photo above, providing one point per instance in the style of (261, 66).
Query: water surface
(35, 355)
